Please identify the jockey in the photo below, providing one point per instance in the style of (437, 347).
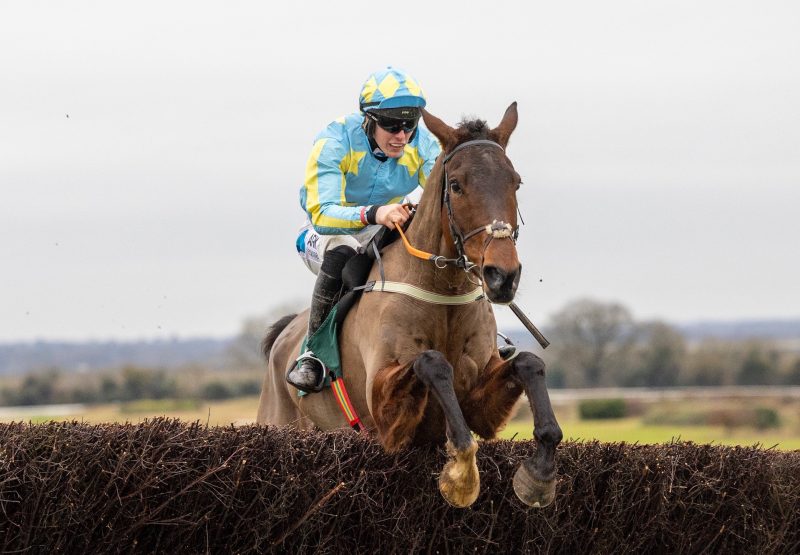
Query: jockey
(360, 169)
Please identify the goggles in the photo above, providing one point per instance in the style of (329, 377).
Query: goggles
(393, 125)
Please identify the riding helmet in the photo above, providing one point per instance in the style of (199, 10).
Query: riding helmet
(393, 93)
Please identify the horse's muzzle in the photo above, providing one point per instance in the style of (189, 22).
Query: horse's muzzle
(500, 284)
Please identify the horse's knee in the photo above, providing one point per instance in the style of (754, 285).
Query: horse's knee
(431, 366)
(528, 366)
(549, 433)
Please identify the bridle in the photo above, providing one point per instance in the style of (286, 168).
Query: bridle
(498, 229)
(495, 230)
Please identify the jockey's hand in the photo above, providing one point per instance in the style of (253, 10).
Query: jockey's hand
(390, 214)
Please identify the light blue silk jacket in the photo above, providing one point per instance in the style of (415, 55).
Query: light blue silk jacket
(343, 175)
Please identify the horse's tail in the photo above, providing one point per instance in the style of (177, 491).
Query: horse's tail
(273, 332)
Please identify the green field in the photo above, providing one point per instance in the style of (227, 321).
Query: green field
(215, 413)
(632, 429)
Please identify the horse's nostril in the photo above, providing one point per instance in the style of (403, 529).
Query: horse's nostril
(494, 277)
(500, 284)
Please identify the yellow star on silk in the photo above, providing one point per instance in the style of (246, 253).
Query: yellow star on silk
(349, 163)
(410, 159)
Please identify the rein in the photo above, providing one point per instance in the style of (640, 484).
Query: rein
(440, 261)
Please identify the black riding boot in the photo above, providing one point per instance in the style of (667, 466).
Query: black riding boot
(308, 374)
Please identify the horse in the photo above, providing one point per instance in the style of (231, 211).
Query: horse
(418, 372)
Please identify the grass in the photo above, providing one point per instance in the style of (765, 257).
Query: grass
(633, 430)
(684, 419)
(216, 413)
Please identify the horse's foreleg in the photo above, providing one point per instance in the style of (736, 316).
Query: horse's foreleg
(535, 479)
(489, 406)
(459, 481)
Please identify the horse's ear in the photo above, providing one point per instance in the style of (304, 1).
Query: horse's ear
(502, 132)
(442, 131)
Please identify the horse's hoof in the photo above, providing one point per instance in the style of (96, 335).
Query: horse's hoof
(533, 492)
(459, 481)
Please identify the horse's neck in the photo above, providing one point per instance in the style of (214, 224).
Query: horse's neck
(425, 231)
(425, 234)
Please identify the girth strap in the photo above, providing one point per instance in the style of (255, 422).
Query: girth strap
(421, 294)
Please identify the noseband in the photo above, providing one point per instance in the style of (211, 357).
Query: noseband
(495, 230)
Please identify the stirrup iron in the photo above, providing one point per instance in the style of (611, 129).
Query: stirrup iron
(309, 355)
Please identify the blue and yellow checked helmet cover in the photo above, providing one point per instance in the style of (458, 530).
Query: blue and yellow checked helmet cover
(390, 88)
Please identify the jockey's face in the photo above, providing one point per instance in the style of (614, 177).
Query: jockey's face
(392, 144)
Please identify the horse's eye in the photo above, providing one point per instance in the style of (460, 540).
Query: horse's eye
(455, 187)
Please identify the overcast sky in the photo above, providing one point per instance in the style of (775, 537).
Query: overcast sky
(659, 145)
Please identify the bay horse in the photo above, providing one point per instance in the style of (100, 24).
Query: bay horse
(419, 372)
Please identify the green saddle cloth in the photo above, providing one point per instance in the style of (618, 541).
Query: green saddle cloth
(325, 346)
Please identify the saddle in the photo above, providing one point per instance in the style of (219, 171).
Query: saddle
(325, 342)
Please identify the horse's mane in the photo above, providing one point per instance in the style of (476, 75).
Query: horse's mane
(471, 129)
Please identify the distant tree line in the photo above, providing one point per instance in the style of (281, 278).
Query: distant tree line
(18, 358)
(130, 384)
(231, 371)
(597, 344)
(594, 344)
